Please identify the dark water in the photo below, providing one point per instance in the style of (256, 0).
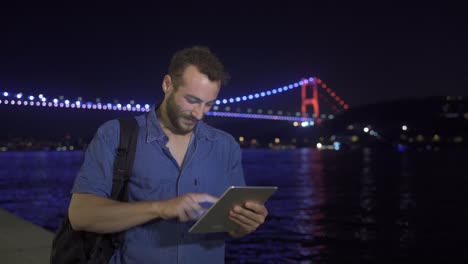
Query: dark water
(364, 206)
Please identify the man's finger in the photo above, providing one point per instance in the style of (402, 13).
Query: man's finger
(204, 197)
(243, 226)
(256, 207)
(249, 214)
(192, 209)
(182, 215)
(245, 216)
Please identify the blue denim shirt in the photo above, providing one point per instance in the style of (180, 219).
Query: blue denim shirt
(212, 163)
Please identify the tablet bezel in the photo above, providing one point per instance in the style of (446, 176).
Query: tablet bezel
(216, 218)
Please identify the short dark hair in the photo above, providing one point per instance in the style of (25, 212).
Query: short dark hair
(200, 57)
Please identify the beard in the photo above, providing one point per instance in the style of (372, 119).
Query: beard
(181, 123)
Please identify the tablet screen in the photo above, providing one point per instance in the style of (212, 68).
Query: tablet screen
(216, 218)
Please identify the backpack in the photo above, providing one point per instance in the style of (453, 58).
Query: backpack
(70, 246)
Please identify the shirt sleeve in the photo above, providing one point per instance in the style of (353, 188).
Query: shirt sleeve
(95, 174)
(236, 169)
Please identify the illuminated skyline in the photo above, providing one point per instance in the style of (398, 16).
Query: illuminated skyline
(366, 53)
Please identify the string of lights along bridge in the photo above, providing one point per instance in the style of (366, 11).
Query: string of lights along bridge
(222, 107)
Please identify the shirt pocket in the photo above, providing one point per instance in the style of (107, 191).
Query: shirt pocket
(210, 178)
(152, 181)
(152, 188)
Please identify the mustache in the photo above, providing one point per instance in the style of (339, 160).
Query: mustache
(193, 119)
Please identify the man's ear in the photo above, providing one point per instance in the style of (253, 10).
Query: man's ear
(167, 84)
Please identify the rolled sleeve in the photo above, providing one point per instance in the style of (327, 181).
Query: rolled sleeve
(95, 174)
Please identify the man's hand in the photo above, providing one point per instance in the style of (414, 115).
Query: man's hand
(249, 217)
(186, 207)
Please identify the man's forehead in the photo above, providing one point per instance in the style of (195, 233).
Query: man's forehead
(195, 97)
(191, 71)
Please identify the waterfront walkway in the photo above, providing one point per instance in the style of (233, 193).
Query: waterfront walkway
(23, 242)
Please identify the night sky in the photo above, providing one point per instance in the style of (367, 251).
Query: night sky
(366, 52)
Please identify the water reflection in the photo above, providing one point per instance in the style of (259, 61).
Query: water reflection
(331, 207)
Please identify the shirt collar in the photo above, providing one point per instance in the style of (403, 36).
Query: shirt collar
(155, 132)
(203, 131)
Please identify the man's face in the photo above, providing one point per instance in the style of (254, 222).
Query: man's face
(188, 104)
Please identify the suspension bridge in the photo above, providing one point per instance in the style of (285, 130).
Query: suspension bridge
(314, 93)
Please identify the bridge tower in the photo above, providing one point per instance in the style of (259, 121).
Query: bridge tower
(313, 101)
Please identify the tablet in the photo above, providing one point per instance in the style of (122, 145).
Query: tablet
(216, 218)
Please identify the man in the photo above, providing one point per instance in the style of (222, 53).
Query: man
(180, 163)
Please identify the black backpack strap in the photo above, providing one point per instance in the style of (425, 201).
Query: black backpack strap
(123, 163)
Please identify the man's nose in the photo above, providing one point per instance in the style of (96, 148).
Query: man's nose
(198, 112)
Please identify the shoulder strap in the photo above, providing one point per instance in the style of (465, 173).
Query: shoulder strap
(123, 163)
